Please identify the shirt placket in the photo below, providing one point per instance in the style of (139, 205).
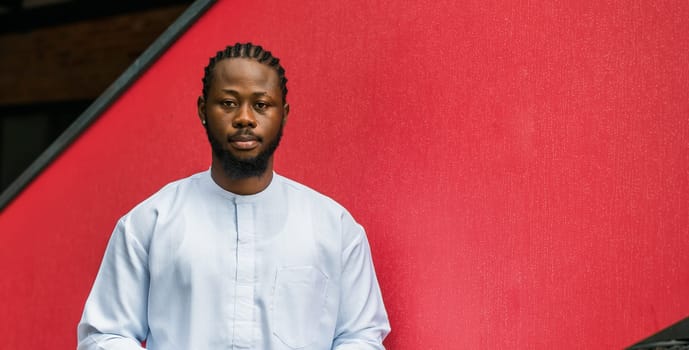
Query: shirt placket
(245, 278)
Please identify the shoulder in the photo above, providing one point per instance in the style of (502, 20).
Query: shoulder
(170, 194)
(322, 206)
(144, 216)
(310, 197)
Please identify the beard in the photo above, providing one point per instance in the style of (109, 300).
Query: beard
(236, 168)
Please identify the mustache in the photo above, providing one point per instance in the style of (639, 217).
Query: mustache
(244, 135)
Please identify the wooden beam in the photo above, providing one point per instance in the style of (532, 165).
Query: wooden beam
(76, 61)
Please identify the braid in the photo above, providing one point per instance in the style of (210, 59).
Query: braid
(245, 50)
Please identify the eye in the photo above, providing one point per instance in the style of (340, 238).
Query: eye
(260, 105)
(228, 103)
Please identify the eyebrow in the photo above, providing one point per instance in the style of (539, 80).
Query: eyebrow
(235, 92)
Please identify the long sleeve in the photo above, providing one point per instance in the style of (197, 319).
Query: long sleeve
(115, 313)
(362, 322)
(197, 267)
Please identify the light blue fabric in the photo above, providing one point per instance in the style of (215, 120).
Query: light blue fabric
(197, 267)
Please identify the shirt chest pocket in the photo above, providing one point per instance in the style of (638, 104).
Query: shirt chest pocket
(298, 301)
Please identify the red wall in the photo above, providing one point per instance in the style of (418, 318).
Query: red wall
(522, 168)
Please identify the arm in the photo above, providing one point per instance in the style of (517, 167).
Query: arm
(362, 322)
(115, 313)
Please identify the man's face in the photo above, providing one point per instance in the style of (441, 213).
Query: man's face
(244, 114)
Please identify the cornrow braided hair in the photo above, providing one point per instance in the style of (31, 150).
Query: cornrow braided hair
(245, 50)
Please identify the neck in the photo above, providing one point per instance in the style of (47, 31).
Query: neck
(241, 186)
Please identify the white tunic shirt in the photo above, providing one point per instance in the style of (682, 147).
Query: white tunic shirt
(197, 267)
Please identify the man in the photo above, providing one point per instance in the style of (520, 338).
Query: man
(237, 257)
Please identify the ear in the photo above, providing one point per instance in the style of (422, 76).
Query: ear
(284, 117)
(201, 109)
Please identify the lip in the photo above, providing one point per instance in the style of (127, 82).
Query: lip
(244, 145)
(244, 141)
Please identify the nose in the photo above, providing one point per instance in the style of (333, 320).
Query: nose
(244, 118)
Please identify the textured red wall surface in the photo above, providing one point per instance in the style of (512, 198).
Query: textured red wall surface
(522, 168)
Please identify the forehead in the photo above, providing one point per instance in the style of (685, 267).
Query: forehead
(244, 72)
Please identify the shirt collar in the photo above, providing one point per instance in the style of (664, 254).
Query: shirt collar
(237, 198)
